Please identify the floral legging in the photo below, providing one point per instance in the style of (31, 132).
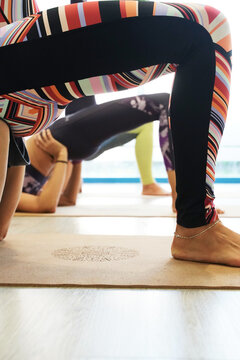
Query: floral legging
(51, 57)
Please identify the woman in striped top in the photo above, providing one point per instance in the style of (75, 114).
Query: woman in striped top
(114, 45)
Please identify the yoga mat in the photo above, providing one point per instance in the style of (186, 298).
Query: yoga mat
(105, 261)
(128, 205)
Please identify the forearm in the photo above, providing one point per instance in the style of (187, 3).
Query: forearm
(172, 180)
(10, 198)
(51, 192)
(4, 148)
(69, 197)
(46, 201)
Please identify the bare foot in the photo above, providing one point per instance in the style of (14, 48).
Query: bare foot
(154, 189)
(220, 211)
(218, 245)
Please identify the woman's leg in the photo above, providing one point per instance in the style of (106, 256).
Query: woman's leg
(187, 43)
(117, 125)
(196, 38)
(111, 143)
(89, 132)
(143, 152)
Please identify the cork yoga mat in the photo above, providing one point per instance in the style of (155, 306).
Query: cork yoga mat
(130, 206)
(104, 261)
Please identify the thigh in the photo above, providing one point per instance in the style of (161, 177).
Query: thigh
(105, 48)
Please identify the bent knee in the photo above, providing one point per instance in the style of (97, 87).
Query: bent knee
(51, 210)
(218, 26)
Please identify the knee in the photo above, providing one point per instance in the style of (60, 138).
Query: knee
(208, 14)
(217, 25)
(214, 14)
(4, 127)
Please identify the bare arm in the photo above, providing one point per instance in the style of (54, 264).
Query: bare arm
(69, 196)
(10, 197)
(4, 148)
(48, 199)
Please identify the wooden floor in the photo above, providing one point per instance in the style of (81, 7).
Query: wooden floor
(75, 323)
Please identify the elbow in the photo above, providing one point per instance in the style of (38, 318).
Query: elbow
(65, 201)
(3, 235)
(47, 208)
(71, 202)
(50, 209)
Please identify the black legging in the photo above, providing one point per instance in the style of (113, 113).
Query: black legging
(116, 37)
(87, 125)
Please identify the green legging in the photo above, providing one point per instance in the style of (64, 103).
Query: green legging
(144, 151)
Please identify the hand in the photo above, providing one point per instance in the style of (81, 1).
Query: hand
(47, 143)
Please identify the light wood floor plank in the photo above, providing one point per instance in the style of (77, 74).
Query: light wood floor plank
(97, 324)
(92, 323)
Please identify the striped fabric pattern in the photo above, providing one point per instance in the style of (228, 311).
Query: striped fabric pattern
(74, 16)
(17, 32)
(13, 10)
(26, 112)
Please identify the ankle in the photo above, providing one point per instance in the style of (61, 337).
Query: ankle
(146, 186)
(189, 232)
